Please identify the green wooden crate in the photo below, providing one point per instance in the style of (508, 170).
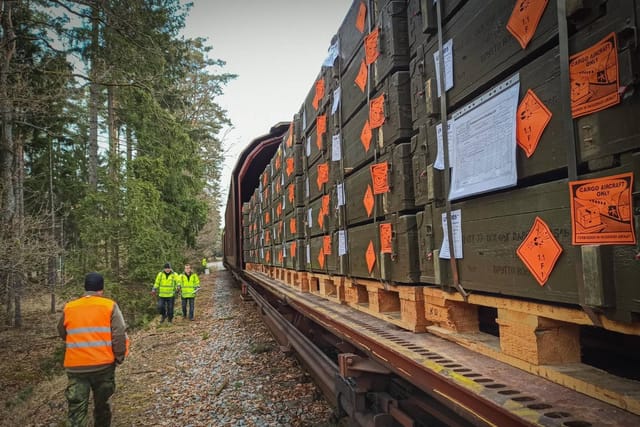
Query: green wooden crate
(361, 205)
(294, 194)
(394, 55)
(396, 129)
(494, 226)
(320, 261)
(400, 266)
(316, 223)
(295, 254)
(314, 188)
(294, 224)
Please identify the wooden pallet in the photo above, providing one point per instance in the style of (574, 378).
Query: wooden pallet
(328, 287)
(539, 338)
(402, 306)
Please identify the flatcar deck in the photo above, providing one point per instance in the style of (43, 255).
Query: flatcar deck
(487, 390)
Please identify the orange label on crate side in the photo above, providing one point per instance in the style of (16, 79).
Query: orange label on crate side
(321, 128)
(319, 93)
(380, 177)
(365, 136)
(376, 112)
(594, 77)
(264, 179)
(325, 204)
(323, 174)
(267, 237)
(371, 51)
(292, 226)
(292, 192)
(290, 136)
(368, 200)
(292, 249)
(321, 258)
(321, 219)
(361, 78)
(602, 211)
(531, 120)
(524, 20)
(267, 256)
(278, 188)
(266, 217)
(539, 251)
(291, 166)
(362, 15)
(386, 233)
(370, 256)
(326, 245)
(280, 227)
(279, 209)
(280, 256)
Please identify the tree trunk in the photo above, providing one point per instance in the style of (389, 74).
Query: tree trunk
(114, 171)
(7, 146)
(94, 94)
(17, 319)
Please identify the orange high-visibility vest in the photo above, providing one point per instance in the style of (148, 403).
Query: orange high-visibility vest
(88, 324)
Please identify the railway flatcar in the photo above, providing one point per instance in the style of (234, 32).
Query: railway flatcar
(450, 219)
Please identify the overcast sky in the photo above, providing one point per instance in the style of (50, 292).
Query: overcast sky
(276, 47)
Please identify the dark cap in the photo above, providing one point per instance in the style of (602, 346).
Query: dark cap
(167, 265)
(93, 282)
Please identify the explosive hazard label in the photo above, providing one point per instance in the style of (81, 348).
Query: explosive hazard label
(601, 211)
(594, 77)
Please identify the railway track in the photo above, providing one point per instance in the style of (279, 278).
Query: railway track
(379, 375)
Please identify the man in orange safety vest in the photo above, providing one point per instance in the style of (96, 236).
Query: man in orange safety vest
(94, 332)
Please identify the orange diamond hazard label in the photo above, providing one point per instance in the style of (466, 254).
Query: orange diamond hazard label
(531, 120)
(539, 251)
(368, 200)
(321, 258)
(370, 256)
(292, 226)
(361, 78)
(292, 249)
(365, 136)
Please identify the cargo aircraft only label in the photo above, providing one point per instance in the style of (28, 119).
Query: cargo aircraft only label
(594, 77)
(601, 211)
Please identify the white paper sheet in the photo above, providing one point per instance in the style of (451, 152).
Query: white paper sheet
(336, 101)
(304, 118)
(306, 187)
(334, 51)
(342, 242)
(336, 148)
(439, 163)
(485, 142)
(308, 254)
(310, 217)
(340, 191)
(284, 250)
(308, 147)
(456, 225)
(448, 65)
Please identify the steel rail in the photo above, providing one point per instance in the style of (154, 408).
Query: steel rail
(322, 368)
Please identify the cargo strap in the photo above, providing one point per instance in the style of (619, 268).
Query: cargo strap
(445, 149)
(572, 160)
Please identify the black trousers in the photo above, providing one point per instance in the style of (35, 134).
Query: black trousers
(190, 301)
(165, 307)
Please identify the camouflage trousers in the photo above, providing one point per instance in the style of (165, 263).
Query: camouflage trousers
(103, 385)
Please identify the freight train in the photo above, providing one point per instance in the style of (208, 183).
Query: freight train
(485, 196)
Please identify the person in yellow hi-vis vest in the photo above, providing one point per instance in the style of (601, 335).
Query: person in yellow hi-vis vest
(165, 287)
(204, 264)
(189, 287)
